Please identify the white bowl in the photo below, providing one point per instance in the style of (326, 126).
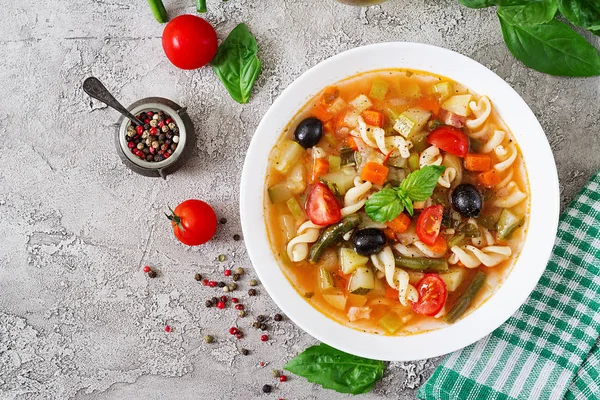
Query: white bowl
(543, 181)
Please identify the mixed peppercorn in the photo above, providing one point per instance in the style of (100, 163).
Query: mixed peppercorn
(156, 140)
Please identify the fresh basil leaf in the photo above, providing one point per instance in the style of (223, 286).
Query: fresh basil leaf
(584, 13)
(408, 205)
(529, 14)
(236, 63)
(490, 3)
(334, 369)
(553, 48)
(384, 205)
(419, 184)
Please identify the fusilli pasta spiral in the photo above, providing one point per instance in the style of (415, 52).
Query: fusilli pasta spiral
(472, 257)
(481, 109)
(375, 137)
(509, 196)
(297, 248)
(355, 197)
(395, 277)
(432, 156)
(417, 249)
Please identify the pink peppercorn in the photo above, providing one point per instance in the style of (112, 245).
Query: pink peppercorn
(264, 338)
(234, 300)
(167, 329)
(167, 154)
(227, 272)
(153, 131)
(139, 129)
(282, 378)
(131, 145)
(233, 330)
(212, 283)
(204, 282)
(239, 335)
(220, 305)
(146, 269)
(149, 114)
(239, 306)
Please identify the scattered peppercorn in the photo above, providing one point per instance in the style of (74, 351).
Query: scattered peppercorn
(263, 327)
(275, 373)
(227, 272)
(214, 300)
(241, 313)
(209, 303)
(239, 271)
(226, 289)
(256, 324)
(151, 274)
(282, 378)
(208, 339)
(261, 364)
(167, 329)
(236, 237)
(239, 306)
(146, 269)
(252, 292)
(149, 143)
(232, 286)
(266, 388)
(198, 277)
(204, 282)
(264, 338)
(224, 299)
(222, 257)
(277, 317)
(253, 282)
(235, 300)
(239, 335)
(261, 318)
(220, 305)
(233, 330)
(236, 277)
(223, 220)
(309, 295)
(212, 283)
(245, 352)
(221, 284)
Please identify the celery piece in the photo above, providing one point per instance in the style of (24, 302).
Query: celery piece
(458, 104)
(279, 193)
(391, 323)
(419, 141)
(335, 163)
(361, 103)
(507, 224)
(379, 89)
(295, 208)
(409, 89)
(342, 180)
(290, 152)
(456, 240)
(413, 161)
(411, 121)
(392, 114)
(325, 279)
(442, 90)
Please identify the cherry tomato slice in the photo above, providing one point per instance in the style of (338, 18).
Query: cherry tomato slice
(449, 139)
(429, 224)
(432, 295)
(322, 206)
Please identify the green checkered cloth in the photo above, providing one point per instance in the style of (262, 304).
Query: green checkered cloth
(550, 348)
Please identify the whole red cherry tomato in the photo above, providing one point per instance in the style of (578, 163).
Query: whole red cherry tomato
(322, 207)
(189, 42)
(194, 222)
(449, 139)
(432, 295)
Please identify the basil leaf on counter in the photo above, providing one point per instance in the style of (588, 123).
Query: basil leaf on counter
(553, 48)
(334, 369)
(387, 204)
(490, 3)
(584, 13)
(236, 63)
(419, 184)
(529, 14)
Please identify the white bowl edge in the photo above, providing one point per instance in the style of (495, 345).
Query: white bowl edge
(543, 181)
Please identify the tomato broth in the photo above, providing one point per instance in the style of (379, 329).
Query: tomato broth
(376, 130)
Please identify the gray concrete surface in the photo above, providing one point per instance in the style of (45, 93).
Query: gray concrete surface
(78, 318)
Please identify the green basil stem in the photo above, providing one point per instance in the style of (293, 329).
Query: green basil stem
(158, 9)
(201, 6)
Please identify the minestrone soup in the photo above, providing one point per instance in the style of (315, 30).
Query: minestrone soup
(396, 201)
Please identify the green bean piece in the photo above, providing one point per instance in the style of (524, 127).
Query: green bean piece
(158, 9)
(331, 235)
(201, 6)
(463, 302)
(422, 264)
